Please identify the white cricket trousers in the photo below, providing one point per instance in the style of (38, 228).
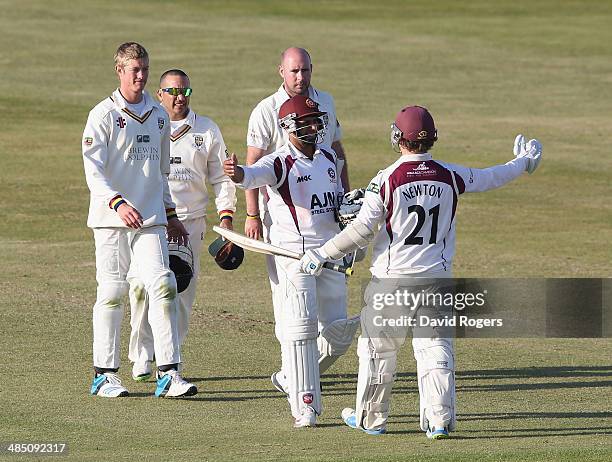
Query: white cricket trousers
(141, 337)
(147, 250)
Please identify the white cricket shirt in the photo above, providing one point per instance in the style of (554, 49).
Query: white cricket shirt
(303, 193)
(413, 201)
(197, 152)
(128, 154)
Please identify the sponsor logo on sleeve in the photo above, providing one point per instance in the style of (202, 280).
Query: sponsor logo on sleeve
(88, 141)
(373, 187)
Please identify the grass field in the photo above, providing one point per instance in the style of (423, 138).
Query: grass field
(487, 70)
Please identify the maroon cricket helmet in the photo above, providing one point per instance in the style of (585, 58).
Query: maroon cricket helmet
(416, 124)
(299, 106)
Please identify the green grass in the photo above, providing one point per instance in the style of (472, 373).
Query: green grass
(487, 70)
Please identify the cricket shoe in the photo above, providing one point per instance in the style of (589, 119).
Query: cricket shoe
(142, 370)
(440, 433)
(171, 385)
(348, 415)
(307, 419)
(279, 381)
(108, 385)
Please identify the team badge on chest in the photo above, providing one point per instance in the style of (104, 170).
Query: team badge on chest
(199, 140)
(160, 123)
(332, 175)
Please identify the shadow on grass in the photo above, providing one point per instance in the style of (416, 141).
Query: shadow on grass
(345, 384)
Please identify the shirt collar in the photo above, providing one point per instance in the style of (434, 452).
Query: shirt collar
(416, 157)
(295, 152)
(122, 103)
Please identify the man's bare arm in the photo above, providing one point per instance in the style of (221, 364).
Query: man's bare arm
(252, 225)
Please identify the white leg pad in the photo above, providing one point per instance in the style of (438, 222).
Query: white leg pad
(436, 378)
(335, 339)
(301, 354)
(376, 376)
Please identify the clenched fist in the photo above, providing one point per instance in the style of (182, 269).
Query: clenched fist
(232, 169)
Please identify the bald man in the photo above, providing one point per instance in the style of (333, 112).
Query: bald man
(266, 136)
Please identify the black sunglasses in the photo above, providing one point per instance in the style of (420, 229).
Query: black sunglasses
(178, 91)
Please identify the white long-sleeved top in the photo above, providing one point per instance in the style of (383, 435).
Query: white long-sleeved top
(197, 152)
(412, 204)
(304, 194)
(127, 154)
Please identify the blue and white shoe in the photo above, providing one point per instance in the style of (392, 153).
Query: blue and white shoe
(108, 385)
(171, 385)
(438, 433)
(348, 415)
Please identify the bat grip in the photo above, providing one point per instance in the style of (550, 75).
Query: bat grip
(340, 268)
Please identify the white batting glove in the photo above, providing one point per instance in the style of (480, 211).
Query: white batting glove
(350, 206)
(312, 262)
(531, 150)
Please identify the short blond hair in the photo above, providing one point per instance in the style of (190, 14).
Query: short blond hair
(129, 50)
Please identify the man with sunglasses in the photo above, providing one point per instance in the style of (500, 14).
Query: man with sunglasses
(197, 151)
(302, 181)
(126, 155)
(265, 136)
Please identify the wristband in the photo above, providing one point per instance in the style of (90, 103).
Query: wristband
(171, 213)
(116, 201)
(226, 214)
(253, 217)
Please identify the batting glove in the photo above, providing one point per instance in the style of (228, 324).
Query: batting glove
(312, 263)
(350, 206)
(531, 150)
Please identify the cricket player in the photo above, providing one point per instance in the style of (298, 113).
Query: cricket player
(197, 152)
(409, 212)
(265, 136)
(303, 185)
(126, 155)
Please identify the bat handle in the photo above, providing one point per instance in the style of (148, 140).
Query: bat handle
(340, 268)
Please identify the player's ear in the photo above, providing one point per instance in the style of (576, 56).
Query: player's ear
(159, 94)
(280, 71)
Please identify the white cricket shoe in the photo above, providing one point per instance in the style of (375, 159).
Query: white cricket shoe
(307, 419)
(279, 381)
(108, 385)
(171, 385)
(350, 419)
(142, 370)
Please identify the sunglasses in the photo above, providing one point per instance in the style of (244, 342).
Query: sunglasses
(178, 91)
